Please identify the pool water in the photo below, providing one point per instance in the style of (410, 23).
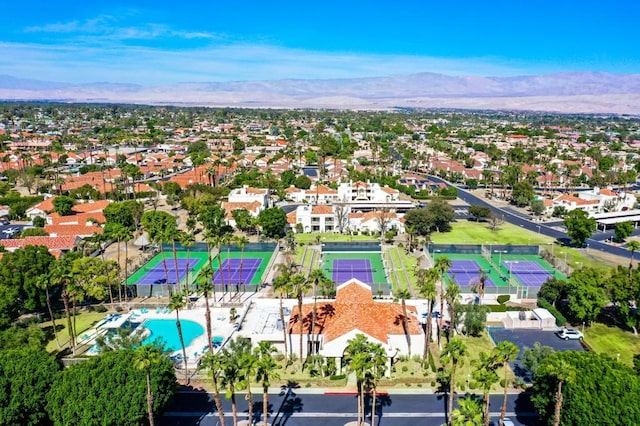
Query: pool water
(166, 332)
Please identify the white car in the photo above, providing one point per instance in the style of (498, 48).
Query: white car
(570, 334)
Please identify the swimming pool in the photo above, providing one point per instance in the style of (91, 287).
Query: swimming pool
(166, 331)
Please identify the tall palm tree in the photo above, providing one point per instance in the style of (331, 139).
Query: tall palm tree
(505, 351)
(485, 376)
(402, 295)
(282, 286)
(42, 282)
(173, 237)
(378, 365)
(247, 360)
(61, 274)
(231, 373)
(205, 285)
(563, 373)
(117, 232)
(358, 362)
(633, 246)
(177, 303)
(314, 278)
(187, 240)
(211, 242)
(145, 357)
(442, 266)
(300, 287)
(126, 236)
(241, 241)
(453, 354)
(427, 287)
(213, 362)
(451, 295)
(265, 373)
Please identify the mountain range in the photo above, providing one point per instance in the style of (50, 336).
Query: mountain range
(575, 92)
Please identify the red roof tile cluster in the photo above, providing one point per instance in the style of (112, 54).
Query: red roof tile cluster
(354, 309)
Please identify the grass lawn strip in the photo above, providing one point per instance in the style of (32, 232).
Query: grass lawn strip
(612, 341)
(394, 267)
(392, 272)
(410, 263)
(399, 268)
(84, 321)
(311, 238)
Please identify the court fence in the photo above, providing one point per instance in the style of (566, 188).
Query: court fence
(350, 246)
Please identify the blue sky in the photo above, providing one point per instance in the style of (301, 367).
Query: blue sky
(152, 42)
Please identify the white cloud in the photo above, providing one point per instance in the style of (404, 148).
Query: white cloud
(239, 62)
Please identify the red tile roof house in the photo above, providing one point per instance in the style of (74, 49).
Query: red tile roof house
(355, 312)
(56, 245)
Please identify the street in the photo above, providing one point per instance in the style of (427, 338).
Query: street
(293, 409)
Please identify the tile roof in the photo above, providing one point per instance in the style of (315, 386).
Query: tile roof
(73, 230)
(96, 206)
(292, 217)
(61, 243)
(321, 209)
(355, 309)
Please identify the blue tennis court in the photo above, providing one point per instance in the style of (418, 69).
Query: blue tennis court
(529, 273)
(466, 273)
(347, 269)
(237, 271)
(158, 273)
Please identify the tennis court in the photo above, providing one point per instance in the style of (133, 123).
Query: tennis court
(465, 270)
(529, 270)
(239, 267)
(237, 271)
(364, 266)
(160, 268)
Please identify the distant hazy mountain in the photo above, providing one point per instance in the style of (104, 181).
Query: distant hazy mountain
(588, 92)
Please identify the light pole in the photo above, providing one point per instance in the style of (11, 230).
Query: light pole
(538, 229)
(552, 248)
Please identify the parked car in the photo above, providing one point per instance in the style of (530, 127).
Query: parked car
(570, 334)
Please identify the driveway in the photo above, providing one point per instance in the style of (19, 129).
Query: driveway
(526, 338)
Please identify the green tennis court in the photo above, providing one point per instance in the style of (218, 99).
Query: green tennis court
(259, 258)
(153, 272)
(463, 278)
(364, 266)
(508, 263)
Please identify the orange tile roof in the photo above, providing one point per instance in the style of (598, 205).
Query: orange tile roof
(96, 206)
(73, 230)
(354, 309)
(607, 192)
(292, 217)
(578, 201)
(321, 209)
(76, 219)
(322, 189)
(61, 243)
(45, 206)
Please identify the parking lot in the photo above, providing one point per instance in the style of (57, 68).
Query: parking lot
(10, 231)
(526, 338)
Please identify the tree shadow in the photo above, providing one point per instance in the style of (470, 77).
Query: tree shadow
(382, 400)
(258, 412)
(290, 403)
(199, 400)
(525, 412)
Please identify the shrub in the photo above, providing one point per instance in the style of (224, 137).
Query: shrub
(100, 308)
(338, 377)
(503, 298)
(497, 308)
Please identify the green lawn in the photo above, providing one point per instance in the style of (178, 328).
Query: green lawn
(311, 238)
(392, 275)
(84, 321)
(612, 341)
(410, 263)
(397, 267)
(469, 232)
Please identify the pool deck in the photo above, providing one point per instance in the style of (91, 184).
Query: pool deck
(220, 327)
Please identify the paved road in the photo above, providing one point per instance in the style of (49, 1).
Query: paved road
(196, 408)
(541, 228)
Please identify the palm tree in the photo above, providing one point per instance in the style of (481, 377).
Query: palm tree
(61, 274)
(42, 282)
(241, 241)
(231, 375)
(126, 236)
(187, 240)
(442, 266)
(247, 360)
(314, 278)
(358, 361)
(563, 373)
(452, 294)
(485, 376)
(145, 357)
(177, 303)
(633, 246)
(282, 286)
(402, 295)
(427, 288)
(505, 351)
(205, 285)
(468, 413)
(479, 286)
(117, 232)
(378, 363)
(173, 236)
(453, 354)
(214, 363)
(300, 286)
(265, 372)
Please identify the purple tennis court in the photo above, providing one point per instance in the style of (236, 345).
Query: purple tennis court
(466, 273)
(236, 271)
(347, 269)
(156, 275)
(529, 273)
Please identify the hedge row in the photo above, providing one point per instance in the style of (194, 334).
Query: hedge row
(560, 319)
